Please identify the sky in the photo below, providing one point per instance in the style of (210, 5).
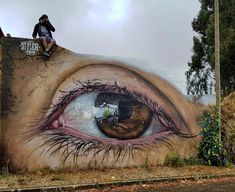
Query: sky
(156, 32)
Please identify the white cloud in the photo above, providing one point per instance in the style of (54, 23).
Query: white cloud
(156, 30)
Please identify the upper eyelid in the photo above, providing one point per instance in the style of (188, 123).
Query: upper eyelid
(151, 80)
(63, 99)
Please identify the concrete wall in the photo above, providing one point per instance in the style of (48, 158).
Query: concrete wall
(83, 111)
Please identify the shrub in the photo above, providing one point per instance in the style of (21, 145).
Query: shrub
(211, 151)
(192, 161)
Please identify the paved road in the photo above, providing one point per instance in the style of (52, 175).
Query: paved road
(211, 187)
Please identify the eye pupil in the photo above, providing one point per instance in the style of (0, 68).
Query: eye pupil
(125, 110)
(123, 117)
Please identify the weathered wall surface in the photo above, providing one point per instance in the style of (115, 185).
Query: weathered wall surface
(1, 153)
(82, 111)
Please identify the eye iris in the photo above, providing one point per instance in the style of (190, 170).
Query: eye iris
(123, 118)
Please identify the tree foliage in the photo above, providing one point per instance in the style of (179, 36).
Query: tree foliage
(200, 76)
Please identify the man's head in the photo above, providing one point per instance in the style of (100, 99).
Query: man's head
(43, 19)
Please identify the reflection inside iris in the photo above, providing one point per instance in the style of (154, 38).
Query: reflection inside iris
(128, 120)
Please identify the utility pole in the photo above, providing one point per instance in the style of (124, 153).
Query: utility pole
(217, 61)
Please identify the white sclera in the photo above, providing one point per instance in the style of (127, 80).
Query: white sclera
(80, 115)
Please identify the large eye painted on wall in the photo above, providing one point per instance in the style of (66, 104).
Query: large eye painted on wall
(104, 109)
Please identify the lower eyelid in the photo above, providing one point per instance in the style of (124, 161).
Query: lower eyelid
(139, 141)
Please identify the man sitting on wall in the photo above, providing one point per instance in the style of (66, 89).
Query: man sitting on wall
(43, 29)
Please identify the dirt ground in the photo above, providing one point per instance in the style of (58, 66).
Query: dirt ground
(47, 178)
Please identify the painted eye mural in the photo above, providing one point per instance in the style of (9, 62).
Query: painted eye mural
(84, 111)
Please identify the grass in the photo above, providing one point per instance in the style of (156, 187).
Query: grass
(174, 160)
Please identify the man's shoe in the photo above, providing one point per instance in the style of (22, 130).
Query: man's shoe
(45, 53)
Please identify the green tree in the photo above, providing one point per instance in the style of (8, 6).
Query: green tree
(200, 76)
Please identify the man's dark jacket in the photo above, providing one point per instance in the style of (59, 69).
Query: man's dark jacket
(37, 29)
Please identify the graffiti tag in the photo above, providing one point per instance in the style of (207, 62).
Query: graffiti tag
(29, 47)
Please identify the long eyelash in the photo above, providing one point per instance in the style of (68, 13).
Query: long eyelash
(77, 147)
